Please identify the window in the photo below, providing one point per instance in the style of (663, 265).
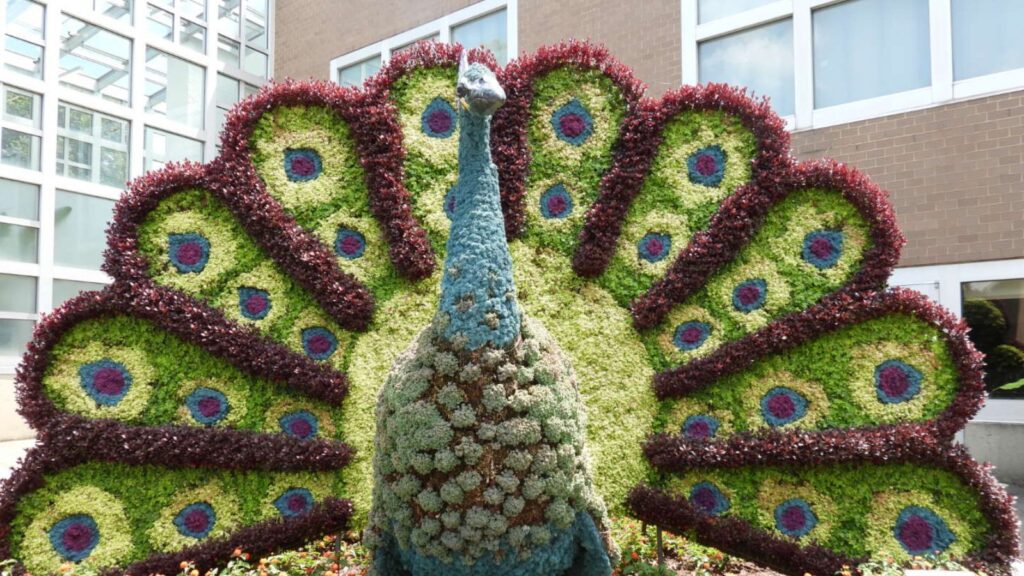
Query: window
(20, 128)
(229, 52)
(229, 17)
(869, 48)
(92, 146)
(175, 88)
(827, 62)
(80, 224)
(356, 74)
(64, 290)
(163, 147)
(23, 43)
(95, 61)
(995, 312)
(19, 221)
(728, 60)
(490, 24)
(17, 308)
(116, 9)
(189, 16)
(987, 37)
(244, 40)
(228, 95)
(160, 23)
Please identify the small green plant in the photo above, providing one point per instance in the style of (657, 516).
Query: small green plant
(889, 567)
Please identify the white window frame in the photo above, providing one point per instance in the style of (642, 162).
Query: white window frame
(945, 280)
(440, 27)
(943, 88)
(44, 270)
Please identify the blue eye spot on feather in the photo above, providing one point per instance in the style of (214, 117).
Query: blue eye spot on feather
(896, 382)
(105, 381)
(438, 119)
(207, 406)
(75, 537)
(196, 520)
(572, 123)
(189, 252)
(707, 166)
(654, 247)
(349, 244)
(921, 531)
(823, 248)
(781, 406)
(691, 335)
(302, 164)
(708, 499)
(319, 343)
(795, 518)
(749, 295)
(294, 502)
(254, 303)
(555, 203)
(300, 424)
(700, 427)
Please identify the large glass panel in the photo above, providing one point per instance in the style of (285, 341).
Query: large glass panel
(23, 57)
(488, 31)
(229, 17)
(256, 23)
(19, 243)
(25, 19)
(869, 48)
(92, 146)
(19, 149)
(19, 199)
(228, 51)
(356, 74)
(192, 35)
(160, 23)
(95, 61)
(163, 147)
(404, 47)
(64, 290)
(195, 9)
(116, 9)
(728, 59)
(174, 88)
(17, 293)
(80, 223)
(15, 336)
(995, 312)
(255, 63)
(22, 108)
(988, 37)
(708, 10)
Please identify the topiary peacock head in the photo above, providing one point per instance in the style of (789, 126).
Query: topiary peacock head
(746, 377)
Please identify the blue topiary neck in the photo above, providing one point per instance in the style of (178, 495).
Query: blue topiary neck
(477, 290)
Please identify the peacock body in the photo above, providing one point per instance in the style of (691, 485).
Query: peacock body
(741, 372)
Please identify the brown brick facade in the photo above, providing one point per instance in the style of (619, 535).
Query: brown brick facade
(955, 172)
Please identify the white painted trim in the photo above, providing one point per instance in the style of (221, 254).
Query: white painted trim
(943, 89)
(441, 27)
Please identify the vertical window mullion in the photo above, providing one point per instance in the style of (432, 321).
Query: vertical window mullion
(690, 64)
(941, 40)
(803, 67)
(47, 189)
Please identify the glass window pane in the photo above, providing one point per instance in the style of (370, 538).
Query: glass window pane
(256, 23)
(22, 108)
(19, 149)
(64, 290)
(25, 19)
(15, 336)
(92, 146)
(227, 91)
(356, 74)
(708, 10)
(195, 9)
(728, 59)
(192, 35)
(248, 90)
(19, 243)
(95, 61)
(229, 17)
(160, 23)
(116, 9)
(19, 199)
(987, 37)
(174, 88)
(869, 48)
(255, 63)
(163, 147)
(228, 51)
(488, 31)
(80, 224)
(995, 312)
(17, 293)
(404, 47)
(23, 57)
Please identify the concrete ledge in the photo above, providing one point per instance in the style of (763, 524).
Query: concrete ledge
(12, 425)
(998, 443)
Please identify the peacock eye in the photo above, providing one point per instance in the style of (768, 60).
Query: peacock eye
(654, 247)
(897, 382)
(75, 537)
(302, 164)
(188, 252)
(438, 119)
(823, 248)
(319, 343)
(920, 530)
(105, 381)
(196, 520)
(294, 502)
(795, 517)
(254, 303)
(572, 123)
(750, 295)
(556, 203)
(706, 166)
(782, 406)
(207, 405)
(349, 244)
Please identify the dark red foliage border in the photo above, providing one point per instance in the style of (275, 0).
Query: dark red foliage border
(510, 145)
(885, 445)
(329, 516)
(373, 127)
(297, 252)
(741, 215)
(642, 137)
(834, 313)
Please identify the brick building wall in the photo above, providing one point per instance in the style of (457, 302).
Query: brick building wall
(955, 172)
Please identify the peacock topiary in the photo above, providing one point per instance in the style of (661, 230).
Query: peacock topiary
(615, 304)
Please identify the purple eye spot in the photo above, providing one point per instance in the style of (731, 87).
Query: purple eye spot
(294, 502)
(781, 406)
(195, 520)
(438, 119)
(749, 295)
(300, 424)
(708, 499)
(319, 343)
(572, 123)
(349, 244)
(555, 203)
(707, 166)
(302, 164)
(700, 427)
(896, 382)
(74, 537)
(691, 335)
(188, 253)
(105, 381)
(921, 531)
(254, 303)
(654, 247)
(795, 518)
(823, 248)
(207, 405)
